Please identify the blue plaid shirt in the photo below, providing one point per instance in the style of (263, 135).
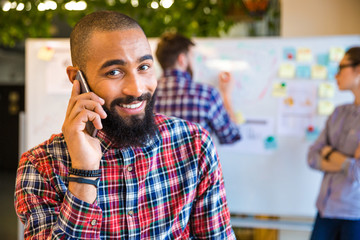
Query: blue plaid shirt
(179, 96)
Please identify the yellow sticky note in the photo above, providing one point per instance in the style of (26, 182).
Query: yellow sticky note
(304, 55)
(325, 107)
(287, 70)
(336, 54)
(318, 72)
(279, 90)
(45, 53)
(240, 119)
(326, 90)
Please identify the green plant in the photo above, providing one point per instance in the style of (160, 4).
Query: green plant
(193, 18)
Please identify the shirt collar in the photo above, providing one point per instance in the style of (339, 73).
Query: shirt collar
(178, 74)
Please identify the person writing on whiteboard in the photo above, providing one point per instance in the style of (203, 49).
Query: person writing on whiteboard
(178, 95)
(143, 176)
(337, 153)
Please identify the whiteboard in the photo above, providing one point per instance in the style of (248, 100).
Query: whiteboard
(261, 177)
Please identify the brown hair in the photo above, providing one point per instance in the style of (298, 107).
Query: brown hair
(169, 48)
(96, 21)
(354, 55)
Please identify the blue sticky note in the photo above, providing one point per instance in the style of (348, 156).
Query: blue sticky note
(332, 71)
(312, 134)
(289, 53)
(270, 143)
(303, 71)
(323, 59)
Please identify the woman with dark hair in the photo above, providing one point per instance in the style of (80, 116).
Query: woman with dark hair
(337, 154)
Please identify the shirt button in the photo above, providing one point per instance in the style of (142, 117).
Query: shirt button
(130, 168)
(93, 222)
(131, 213)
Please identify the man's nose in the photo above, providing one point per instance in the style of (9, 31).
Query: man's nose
(133, 85)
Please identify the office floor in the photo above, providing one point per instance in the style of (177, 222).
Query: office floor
(8, 226)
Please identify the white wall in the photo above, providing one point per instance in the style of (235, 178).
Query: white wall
(319, 17)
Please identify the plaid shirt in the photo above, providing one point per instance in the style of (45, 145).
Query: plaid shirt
(179, 96)
(170, 189)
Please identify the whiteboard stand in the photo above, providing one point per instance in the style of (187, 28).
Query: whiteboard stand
(20, 225)
(297, 224)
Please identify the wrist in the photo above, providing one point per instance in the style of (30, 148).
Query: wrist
(83, 180)
(329, 153)
(84, 173)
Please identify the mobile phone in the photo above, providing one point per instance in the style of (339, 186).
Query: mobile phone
(85, 89)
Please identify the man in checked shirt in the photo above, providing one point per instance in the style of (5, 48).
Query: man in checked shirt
(143, 176)
(179, 96)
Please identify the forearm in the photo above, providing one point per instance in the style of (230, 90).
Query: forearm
(333, 161)
(37, 195)
(84, 192)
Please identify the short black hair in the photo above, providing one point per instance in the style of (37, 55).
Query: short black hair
(170, 46)
(97, 21)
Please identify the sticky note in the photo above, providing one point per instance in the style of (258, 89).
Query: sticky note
(45, 53)
(289, 53)
(312, 133)
(303, 71)
(304, 55)
(279, 90)
(336, 54)
(323, 59)
(240, 119)
(325, 107)
(326, 90)
(270, 142)
(287, 70)
(318, 72)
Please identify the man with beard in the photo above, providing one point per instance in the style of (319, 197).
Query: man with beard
(178, 95)
(144, 175)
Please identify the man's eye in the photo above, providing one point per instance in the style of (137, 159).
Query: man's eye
(144, 67)
(114, 73)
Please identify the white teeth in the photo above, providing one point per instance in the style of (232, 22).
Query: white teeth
(132, 106)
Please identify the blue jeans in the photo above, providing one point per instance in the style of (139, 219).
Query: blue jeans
(335, 229)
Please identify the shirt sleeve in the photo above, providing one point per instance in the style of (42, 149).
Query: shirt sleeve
(220, 122)
(48, 210)
(314, 156)
(351, 168)
(211, 216)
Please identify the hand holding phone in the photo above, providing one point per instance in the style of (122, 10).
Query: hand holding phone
(85, 89)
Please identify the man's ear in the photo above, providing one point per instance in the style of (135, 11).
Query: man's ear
(182, 61)
(71, 72)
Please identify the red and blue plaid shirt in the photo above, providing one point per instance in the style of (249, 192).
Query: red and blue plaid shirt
(170, 189)
(177, 95)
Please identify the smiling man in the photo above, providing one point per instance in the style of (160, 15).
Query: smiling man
(144, 175)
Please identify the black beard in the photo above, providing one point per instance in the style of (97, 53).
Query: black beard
(135, 131)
